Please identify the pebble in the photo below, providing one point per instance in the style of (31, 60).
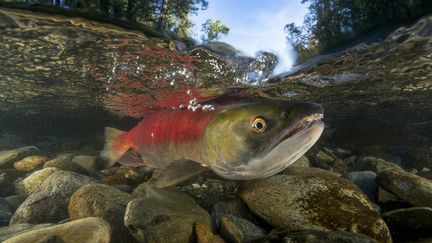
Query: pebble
(233, 207)
(66, 163)
(88, 162)
(30, 163)
(317, 236)
(32, 182)
(9, 157)
(410, 223)
(87, 230)
(49, 204)
(411, 188)
(205, 235)
(366, 181)
(320, 202)
(16, 229)
(239, 230)
(303, 161)
(164, 215)
(373, 164)
(103, 201)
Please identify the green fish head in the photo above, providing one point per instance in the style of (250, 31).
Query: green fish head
(260, 138)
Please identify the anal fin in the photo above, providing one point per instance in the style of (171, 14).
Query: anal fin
(178, 171)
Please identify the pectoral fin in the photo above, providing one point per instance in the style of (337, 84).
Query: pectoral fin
(131, 158)
(177, 172)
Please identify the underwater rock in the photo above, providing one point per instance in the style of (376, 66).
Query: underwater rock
(14, 201)
(65, 163)
(366, 181)
(207, 192)
(315, 236)
(32, 182)
(103, 201)
(5, 212)
(303, 161)
(126, 175)
(411, 188)
(7, 158)
(49, 204)
(16, 229)
(309, 171)
(239, 230)
(322, 202)
(88, 162)
(87, 230)
(373, 164)
(30, 163)
(234, 207)
(204, 234)
(164, 215)
(7, 179)
(409, 223)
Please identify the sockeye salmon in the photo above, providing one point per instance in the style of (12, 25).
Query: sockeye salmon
(236, 138)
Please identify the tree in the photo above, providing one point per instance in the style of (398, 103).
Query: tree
(214, 30)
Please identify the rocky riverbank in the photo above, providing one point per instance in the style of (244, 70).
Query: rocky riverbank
(331, 194)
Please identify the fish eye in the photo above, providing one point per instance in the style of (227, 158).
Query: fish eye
(259, 125)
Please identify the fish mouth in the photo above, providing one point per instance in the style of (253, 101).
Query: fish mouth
(290, 146)
(296, 128)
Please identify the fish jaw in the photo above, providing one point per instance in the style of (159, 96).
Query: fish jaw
(279, 157)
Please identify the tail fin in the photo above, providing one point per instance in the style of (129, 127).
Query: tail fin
(115, 146)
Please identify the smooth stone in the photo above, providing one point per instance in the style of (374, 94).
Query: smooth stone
(16, 229)
(30, 163)
(233, 207)
(87, 230)
(318, 236)
(385, 196)
(366, 181)
(14, 201)
(303, 161)
(65, 163)
(411, 188)
(321, 202)
(7, 158)
(309, 171)
(164, 215)
(410, 223)
(89, 162)
(5, 212)
(323, 157)
(373, 164)
(205, 235)
(7, 179)
(103, 201)
(49, 204)
(239, 230)
(342, 153)
(32, 182)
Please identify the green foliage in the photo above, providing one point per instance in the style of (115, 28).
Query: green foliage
(332, 22)
(171, 15)
(214, 30)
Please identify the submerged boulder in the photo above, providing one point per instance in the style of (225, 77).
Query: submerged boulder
(299, 202)
(103, 201)
(164, 215)
(87, 230)
(49, 204)
(413, 189)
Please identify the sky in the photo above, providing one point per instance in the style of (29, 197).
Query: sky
(255, 25)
